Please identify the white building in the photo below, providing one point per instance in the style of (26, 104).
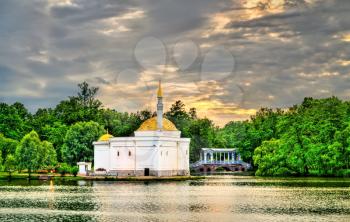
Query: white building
(156, 149)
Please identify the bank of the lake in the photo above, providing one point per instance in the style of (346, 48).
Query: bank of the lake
(35, 176)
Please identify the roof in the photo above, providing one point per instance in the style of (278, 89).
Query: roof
(105, 137)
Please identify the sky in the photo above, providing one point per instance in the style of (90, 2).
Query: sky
(225, 58)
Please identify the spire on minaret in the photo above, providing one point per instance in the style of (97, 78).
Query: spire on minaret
(160, 92)
(160, 107)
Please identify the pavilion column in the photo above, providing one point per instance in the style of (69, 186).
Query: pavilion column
(205, 156)
(211, 157)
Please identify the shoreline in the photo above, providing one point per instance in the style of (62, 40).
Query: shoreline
(5, 177)
(44, 177)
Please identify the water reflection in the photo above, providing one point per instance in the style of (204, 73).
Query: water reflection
(218, 198)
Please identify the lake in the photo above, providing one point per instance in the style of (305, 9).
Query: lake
(217, 198)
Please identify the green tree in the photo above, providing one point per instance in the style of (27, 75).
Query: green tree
(55, 133)
(270, 159)
(121, 124)
(32, 154)
(178, 115)
(83, 107)
(7, 146)
(78, 142)
(41, 119)
(10, 164)
(27, 152)
(202, 134)
(48, 155)
(14, 120)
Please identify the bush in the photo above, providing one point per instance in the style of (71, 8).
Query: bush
(343, 173)
(74, 170)
(63, 169)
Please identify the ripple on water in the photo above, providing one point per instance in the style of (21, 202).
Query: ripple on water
(219, 198)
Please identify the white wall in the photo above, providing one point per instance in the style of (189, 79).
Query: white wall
(154, 152)
(101, 156)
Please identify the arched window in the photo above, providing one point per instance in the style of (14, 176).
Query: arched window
(161, 153)
(167, 153)
(118, 153)
(129, 153)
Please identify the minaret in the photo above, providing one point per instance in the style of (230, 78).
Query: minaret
(160, 107)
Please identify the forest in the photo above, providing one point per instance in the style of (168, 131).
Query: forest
(309, 139)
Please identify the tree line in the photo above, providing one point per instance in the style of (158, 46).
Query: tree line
(312, 138)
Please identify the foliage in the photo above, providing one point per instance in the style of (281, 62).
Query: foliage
(312, 138)
(7, 147)
(33, 154)
(63, 169)
(74, 170)
(202, 134)
(10, 164)
(55, 133)
(121, 124)
(48, 155)
(27, 152)
(78, 142)
(14, 120)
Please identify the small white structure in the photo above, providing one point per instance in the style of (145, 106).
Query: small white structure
(84, 167)
(157, 149)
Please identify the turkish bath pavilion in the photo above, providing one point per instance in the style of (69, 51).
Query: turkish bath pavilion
(155, 150)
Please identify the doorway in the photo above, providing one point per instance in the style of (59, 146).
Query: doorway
(146, 171)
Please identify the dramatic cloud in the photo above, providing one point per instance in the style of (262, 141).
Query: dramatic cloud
(283, 51)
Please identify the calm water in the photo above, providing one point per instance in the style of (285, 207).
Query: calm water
(218, 198)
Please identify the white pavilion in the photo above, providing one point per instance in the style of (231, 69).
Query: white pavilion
(156, 149)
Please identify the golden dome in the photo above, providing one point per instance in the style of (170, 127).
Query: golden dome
(105, 137)
(151, 125)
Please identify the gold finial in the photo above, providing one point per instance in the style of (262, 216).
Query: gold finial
(160, 92)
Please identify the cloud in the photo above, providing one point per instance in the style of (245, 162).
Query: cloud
(283, 51)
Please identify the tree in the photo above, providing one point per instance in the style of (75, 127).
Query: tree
(78, 142)
(270, 159)
(74, 170)
(55, 133)
(14, 122)
(32, 154)
(7, 146)
(41, 119)
(121, 124)
(202, 134)
(178, 115)
(10, 164)
(27, 152)
(86, 96)
(83, 107)
(240, 134)
(48, 155)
